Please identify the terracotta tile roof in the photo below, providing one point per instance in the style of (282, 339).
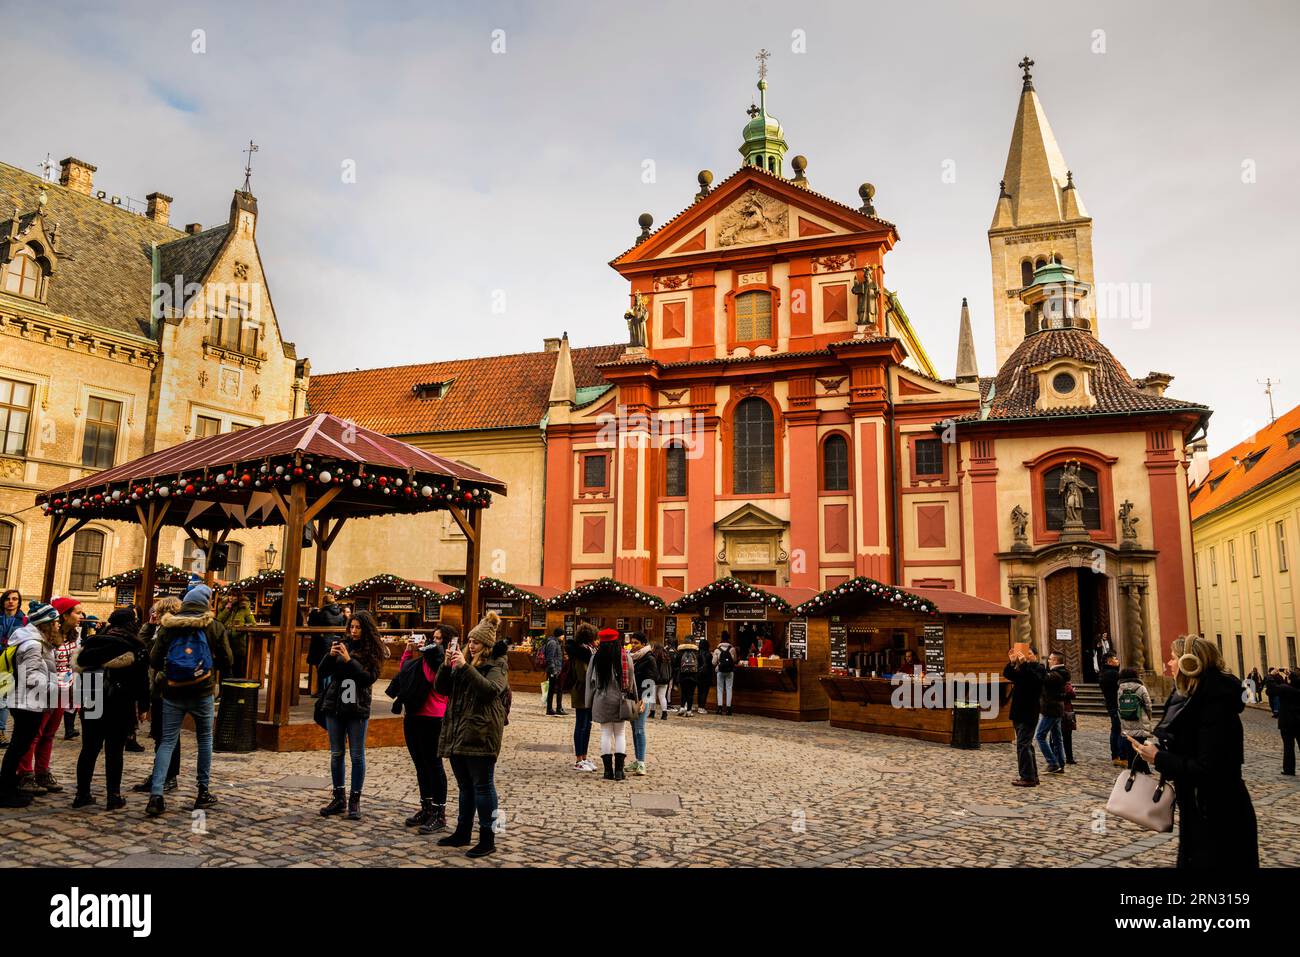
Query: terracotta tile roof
(493, 392)
(105, 269)
(951, 602)
(1262, 458)
(1016, 392)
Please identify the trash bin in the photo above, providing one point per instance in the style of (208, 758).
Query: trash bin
(966, 726)
(237, 717)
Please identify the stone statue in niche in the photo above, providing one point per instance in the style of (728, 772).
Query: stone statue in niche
(868, 294)
(753, 218)
(1128, 523)
(1071, 487)
(1019, 523)
(636, 320)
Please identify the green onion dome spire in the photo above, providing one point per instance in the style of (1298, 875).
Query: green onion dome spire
(764, 143)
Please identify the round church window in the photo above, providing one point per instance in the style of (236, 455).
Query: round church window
(1063, 383)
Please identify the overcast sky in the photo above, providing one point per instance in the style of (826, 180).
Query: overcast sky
(511, 178)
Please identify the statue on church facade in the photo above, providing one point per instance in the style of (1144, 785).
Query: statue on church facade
(1019, 524)
(636, 321)
(1071, 487)
(1128, 523)
(868, 294)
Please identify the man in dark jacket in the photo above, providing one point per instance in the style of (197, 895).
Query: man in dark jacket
(192, 697)
(553, 652)
(1284, 688)
(1108, 680)
(1026, 677)
(1052, 707)
(327, 616)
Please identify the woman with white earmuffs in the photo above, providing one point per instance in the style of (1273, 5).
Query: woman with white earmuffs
(1198, 746)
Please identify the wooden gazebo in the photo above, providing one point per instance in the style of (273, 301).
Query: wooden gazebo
(315, 473)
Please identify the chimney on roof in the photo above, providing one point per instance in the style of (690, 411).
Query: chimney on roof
(1154, 383)
(193, 229)
(159, 207)
(564, 389)
(1199, 468)
(77, 175)
(551, 344)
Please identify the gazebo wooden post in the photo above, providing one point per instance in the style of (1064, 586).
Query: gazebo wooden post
(284, 668)
(59, 533)
(472, 529)
(151, 516)
(325, 533)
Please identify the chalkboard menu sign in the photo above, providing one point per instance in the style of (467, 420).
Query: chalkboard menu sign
(271, 595)
(670, 628)
(504, 607)
(361, 603)
(432, 610)
(397, 603)
(125, 596)
(744, 611)
(699, 628)
(537, 617)
(839, 633)
(796, 639)
(934, 649)
(570, 624)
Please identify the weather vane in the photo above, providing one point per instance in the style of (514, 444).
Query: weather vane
(1025, 64)
(248, 167)
(761, 57)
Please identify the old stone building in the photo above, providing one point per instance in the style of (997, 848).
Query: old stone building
(121, 335)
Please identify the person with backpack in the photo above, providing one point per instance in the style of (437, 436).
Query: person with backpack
(347, 672)
(1108, 681)
(118, 662)
(28, 659)
(724, 666)
(645, 671)
(34, 772)
(686, 672)
(581, 648)
(1132, 710)
(189, 648)
(11, 619)
(1026, 677)
(611, 678)
(1285, 688)
(704, 681)
(553, 658)
(412, 691)
(476, 683)
(663, 680)
(148, 631)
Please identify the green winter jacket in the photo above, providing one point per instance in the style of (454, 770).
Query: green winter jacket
(235, 621)
(476, 709)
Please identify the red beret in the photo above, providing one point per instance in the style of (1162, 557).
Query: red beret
(608, 634)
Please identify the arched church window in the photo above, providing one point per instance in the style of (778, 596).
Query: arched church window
(835, 464)
(753, 453)
(753, 316)
(1040, 262)
(1054, 494)
(675, 470)
(23, 275)
(1026, 273)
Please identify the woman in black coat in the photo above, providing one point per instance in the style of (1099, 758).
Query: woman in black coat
(1201, 751)
(115, 666)
(349, 668)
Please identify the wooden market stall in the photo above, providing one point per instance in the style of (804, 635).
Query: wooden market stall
(608, 603)
(403, 607)
(782, 684)
(168, 581)
(265, 588)
(902, 658)
(313, 473)
(522, 609)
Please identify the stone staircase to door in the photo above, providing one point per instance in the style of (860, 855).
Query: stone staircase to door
(1088, 700)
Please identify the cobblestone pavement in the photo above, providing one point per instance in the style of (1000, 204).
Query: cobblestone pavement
(722, 791)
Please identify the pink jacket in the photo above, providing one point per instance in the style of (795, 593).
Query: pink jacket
(435, 706)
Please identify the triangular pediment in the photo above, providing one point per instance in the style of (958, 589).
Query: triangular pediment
(751, 518)
(751, 208)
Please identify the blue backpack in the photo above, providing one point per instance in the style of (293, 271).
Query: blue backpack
(189, 659)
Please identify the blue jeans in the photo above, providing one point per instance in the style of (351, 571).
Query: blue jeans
(1053, 751)
(354, 730)
(725, 681)
(4, 718)
(478, 791)
(581, 731)
(174, 712)
(638, 733)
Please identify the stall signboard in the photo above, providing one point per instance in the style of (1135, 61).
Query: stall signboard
(271, 595)
(699, 628)
(934, 649)
(503, 607)
(537, 616)
(125, 596)
(670, 628)
(397, 603)
(621, 624)
(172, 591)
(361, 603)
(796, 639)
(432, 610)
(570, 625)
(744, 611)
(839, 635)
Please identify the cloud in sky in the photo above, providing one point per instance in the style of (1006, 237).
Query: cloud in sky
(482, 174)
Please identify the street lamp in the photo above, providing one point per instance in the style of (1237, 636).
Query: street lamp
(270, 556)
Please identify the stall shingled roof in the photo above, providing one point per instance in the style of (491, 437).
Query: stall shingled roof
(652, 596)
(781, 597)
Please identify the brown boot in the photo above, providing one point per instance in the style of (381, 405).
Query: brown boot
(47, 780)
(27, 784)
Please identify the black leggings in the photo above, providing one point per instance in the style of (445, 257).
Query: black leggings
(553, 690)
(422, 742)
(108, 733)
(27, 726)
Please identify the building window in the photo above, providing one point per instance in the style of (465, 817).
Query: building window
(929, 457)
(1055, 505)
(1241, 658)
(87, 560)
(1218, 640)
(1232, 561)
(1030, 325)
(235, 329)
(675, 470)
(100, 443)
(15, 415)
(1290, 652)
(753, 316)
(234, 561)
(6, 550)
(754, 449)
(205, 426)
(1254, 554)
(1214, 568)
(23, 275)
(1026, 273)
(1263, 654)
(1281, 546)
(835, 464)
(595, 471)
(455, 581)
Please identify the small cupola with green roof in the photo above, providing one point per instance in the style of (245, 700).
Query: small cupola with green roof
(1056, 298)
(764, 143)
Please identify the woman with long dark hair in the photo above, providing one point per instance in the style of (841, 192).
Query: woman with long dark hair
(422, 725)
(347, 672)
(611, 680)
(1201, 751)
(11, 619)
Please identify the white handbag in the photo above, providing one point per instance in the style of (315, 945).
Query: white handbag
(1144, 799)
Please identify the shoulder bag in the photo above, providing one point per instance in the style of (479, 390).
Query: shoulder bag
(1139, 797)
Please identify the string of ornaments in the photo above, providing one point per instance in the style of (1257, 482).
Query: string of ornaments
(506, 590)
(397, 584)
(866, 586)
(729, 586)
(429, 492)
(605, 586)
(261, 579)
(161, 571)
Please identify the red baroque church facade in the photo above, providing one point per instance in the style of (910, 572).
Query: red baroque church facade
(775, 417)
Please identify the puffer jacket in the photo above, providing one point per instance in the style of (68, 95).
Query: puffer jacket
(645, 668)
(607, 702)
(1052, 702)
(34, 665)
(338, 676)
(121, 658)
(191, 617)
(553, 652)
(235, 620)
(579, 661)
(476, 710)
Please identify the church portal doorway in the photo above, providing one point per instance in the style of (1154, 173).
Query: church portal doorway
(1078, 613)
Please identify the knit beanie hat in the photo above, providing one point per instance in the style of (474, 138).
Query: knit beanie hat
(485, 632)
(38, 613)
(198, 595)
(63, 605)
(122, 618)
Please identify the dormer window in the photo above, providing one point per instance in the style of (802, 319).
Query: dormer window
(1063, 383)
(430, 390)
(23, 275)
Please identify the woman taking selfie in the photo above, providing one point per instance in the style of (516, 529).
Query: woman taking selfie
(474, 681)
(1201, 751)
(347, 671)
(422, 724)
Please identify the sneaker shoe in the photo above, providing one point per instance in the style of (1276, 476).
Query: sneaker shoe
(47, 780)
(639, 769)
(1060, 770)
(700, 711)
(27, 785)
(590, 765)
(171, 784)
